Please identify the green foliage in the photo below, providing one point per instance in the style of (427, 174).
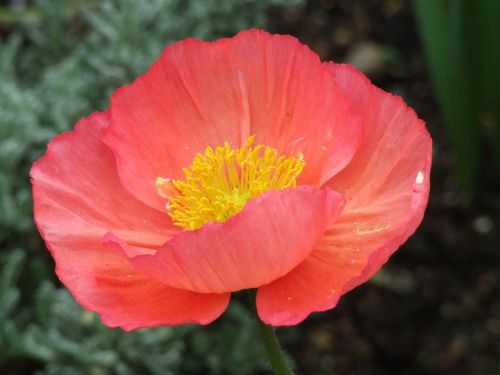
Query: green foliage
(60, 61)
(462, 42)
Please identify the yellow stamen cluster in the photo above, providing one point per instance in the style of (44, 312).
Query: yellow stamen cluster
(219, 182)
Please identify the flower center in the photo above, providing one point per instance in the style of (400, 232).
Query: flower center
(219, 183)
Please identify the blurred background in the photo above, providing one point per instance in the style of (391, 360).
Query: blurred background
(434, 309)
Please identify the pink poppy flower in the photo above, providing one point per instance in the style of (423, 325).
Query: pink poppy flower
(235, 164)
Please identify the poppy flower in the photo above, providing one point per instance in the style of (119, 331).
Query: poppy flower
(243, 163)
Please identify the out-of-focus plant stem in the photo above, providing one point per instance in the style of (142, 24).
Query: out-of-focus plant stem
(441, 31)
(273, 349)
(487, 40)
(462, 41)
(271, 342)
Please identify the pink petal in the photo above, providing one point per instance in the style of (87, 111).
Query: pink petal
(78, 198)
(269, 237)
(104, 281)
(201, 94)
(386, 186)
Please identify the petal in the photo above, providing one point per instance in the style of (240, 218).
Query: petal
(269, 237)
(78, 198)
(201, 94)
(104, 281)
(387, 187)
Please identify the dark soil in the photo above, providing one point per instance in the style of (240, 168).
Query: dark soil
(435, 308)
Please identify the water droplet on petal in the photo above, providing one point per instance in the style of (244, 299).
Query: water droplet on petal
(420, 178)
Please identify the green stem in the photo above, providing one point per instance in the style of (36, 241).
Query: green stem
(271, 343)
(273, 349)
